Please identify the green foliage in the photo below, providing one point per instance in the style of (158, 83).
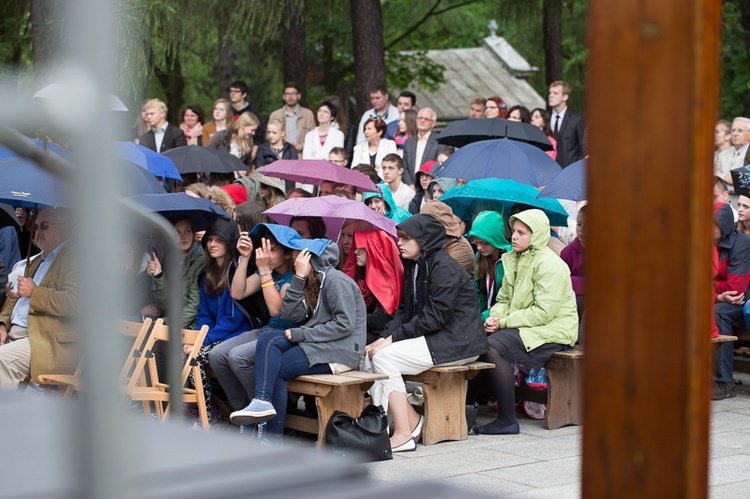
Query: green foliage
(413, 70)
(735, 67)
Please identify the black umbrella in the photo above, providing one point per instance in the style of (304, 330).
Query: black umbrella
(8, 216)
(463, 132)
(196, 159)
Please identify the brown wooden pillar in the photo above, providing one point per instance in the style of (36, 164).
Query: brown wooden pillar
(651, 108)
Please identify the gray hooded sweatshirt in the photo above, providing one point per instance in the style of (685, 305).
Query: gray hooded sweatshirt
(336, 332)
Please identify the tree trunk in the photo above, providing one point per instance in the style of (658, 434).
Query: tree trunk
(295, 57)
(368, 52)
(744, 8)
(41, 35)
(552, 29)
(224, 68)
(174, 86)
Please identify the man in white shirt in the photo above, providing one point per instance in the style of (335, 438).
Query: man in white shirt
(381, 108)
(734, 157)
(393, 167)
(422, 146)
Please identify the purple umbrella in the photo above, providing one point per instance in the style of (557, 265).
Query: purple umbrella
(316, 171)
(334, 211)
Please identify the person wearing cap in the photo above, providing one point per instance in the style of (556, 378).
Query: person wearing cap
(216, 308)
(437, 323)
(420, 187)
(533, 317)
(331, 339)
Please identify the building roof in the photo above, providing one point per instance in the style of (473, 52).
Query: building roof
(493, 68)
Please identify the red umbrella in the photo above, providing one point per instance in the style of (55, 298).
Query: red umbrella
(316, 171)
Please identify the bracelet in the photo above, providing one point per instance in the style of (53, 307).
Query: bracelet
(264, 273)
(302, 278)
(266, 282)
(270, 283)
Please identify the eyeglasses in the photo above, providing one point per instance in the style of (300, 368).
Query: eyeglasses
(291, 93)
(739, 130)
(44, 226)
(424, 118)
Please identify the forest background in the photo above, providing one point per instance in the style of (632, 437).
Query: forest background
(188, 51)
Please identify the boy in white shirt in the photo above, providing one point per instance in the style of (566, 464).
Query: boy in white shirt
(392, 168)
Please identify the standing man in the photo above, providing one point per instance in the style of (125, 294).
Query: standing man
(381, 108)
(299, 120)
(567, 125)
(736, 156)
(37, 333)
(161, 137)
(422, 146)
(476, 108)
(238, 91)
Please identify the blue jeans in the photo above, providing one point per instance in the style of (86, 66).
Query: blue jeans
(727, 317)
(277, 360)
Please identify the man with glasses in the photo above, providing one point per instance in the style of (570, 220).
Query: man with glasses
(37, 334)
(299, 120)
(421, 147)
(238, 91)
(737, 156)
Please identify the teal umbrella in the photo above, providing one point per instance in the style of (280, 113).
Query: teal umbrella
(500, 195)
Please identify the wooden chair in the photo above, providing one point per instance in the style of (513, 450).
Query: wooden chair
(158, 392)
(70, 383)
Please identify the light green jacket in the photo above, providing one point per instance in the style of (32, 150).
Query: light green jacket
(537, 296)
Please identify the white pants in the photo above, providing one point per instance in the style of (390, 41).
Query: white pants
(15, 359)
(410, 356)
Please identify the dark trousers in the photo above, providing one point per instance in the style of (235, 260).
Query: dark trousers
(728, 317)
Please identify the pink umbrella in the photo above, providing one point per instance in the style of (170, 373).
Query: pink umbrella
(334, 211)
(316, 171)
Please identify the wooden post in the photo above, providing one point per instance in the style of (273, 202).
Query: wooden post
(652, 97)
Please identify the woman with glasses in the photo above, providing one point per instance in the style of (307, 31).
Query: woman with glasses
(320, 140)
(495, 108)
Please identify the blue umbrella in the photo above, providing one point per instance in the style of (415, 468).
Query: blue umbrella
(41, 144)
(503, 158)
(201, 212)
(500, 195)
(25, 184)
(568, 184)
(159, 165)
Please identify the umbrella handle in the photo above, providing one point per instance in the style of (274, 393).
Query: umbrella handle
(31, 241)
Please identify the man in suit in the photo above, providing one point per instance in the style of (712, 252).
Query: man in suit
(161, 137)
(567, 125)
(421, 147)
(37, 333)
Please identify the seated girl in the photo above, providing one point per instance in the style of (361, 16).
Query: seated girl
(377, 269)
(309, 227)
(572, 255)
(487, 233)
(216, 308)
(438, 322)
(382, 202)
(233, 362)
(346, 237)
(330, 341)
(534, 315)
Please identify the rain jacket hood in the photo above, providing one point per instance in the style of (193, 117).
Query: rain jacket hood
(489, 226)
(724, 218)
(392, 210)
(228, 231)
(444, 214)
(384, 272)
(426, 229)
(444, 183)
(539, 225)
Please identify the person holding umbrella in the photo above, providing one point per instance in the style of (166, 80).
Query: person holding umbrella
(534, 315)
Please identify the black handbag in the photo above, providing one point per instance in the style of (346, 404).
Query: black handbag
(366, 435)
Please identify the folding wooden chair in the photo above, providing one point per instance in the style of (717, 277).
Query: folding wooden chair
(70, 383)
(158, 392)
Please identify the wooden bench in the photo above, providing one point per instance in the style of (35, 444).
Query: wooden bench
(564, 397)
(332, 392)
(444, 389)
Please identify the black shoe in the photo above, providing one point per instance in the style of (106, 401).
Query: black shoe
(723, 390)
(472, 411)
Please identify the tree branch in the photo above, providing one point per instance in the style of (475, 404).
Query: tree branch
(432, 12)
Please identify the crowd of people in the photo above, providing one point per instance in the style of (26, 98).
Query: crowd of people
(282, 301)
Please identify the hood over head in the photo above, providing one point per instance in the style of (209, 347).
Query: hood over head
(227, 230)
(384, 194)
(328, 259)
(489, 226)
(444, 183)
(539, 225)
(290, 238)
(274, 182)
(444, 214)
(426, 229)
(724, 218)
